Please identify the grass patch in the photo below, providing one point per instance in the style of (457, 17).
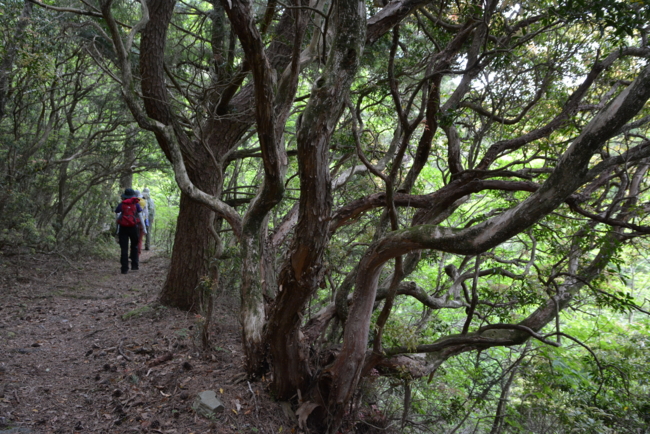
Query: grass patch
(182, 333)
(137, 312)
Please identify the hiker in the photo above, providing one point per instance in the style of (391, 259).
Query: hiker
(151, 213)
(143, 217)
(129, 223)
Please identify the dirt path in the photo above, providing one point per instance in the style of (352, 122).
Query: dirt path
(83, 349)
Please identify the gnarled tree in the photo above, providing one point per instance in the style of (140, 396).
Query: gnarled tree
(478, 137)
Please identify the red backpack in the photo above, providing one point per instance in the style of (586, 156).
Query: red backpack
(129, 211)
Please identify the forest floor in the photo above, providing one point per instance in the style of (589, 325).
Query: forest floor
(85, 349)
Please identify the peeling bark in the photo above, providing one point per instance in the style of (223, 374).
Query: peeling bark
(301, 274)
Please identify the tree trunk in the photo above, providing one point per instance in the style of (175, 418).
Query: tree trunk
(499, 416)
(193, 248)
(192, 245)
(126, 179)
(303, 271)
(252, 314)
(272, 106)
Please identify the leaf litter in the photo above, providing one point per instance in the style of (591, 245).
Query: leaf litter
(85, 349)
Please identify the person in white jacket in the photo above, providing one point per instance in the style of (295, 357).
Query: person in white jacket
(151, 214)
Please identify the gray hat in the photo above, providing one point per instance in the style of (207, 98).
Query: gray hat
(128, 193)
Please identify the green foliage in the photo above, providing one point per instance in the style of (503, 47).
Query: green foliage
(137, 312)
(64, 135)
(583, 393)
(166, 196)
(19, 225)
(622, 18)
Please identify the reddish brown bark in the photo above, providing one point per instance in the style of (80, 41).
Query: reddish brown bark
(302, 273)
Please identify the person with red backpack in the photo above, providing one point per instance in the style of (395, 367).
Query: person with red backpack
(129, 223)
